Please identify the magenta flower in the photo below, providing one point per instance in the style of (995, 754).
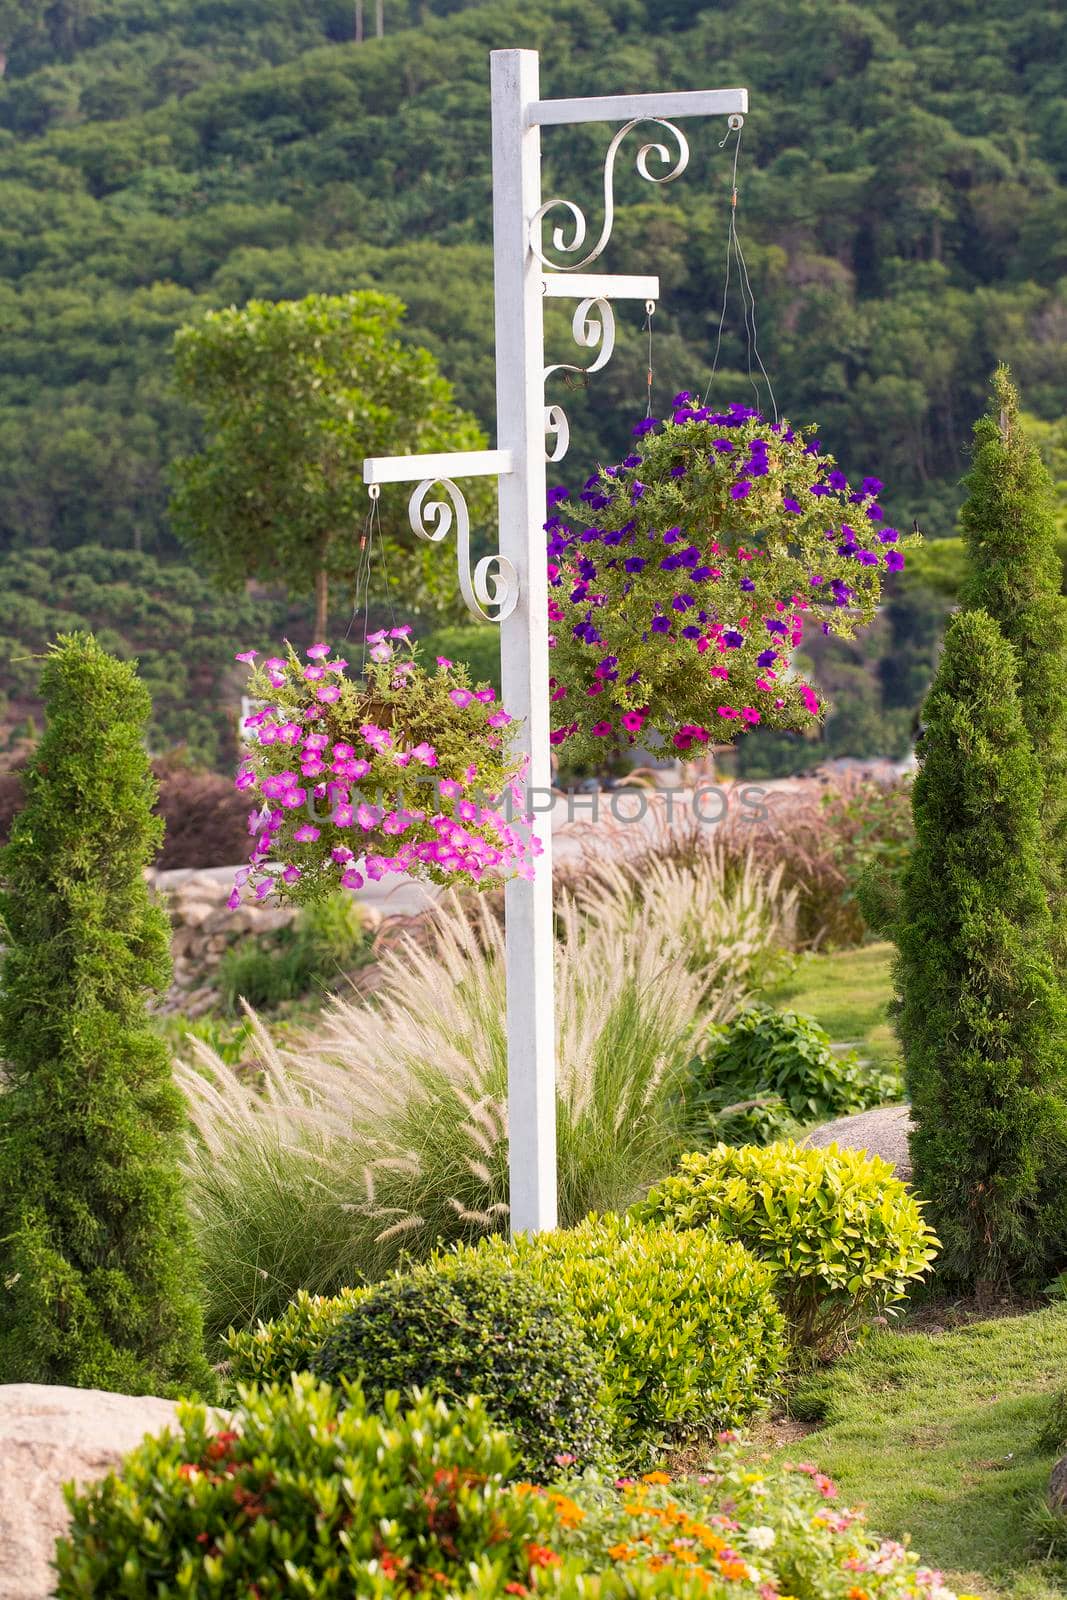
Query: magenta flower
(328, 693)
(601, 729)
(500, 719)
(351, 879)
(343, 816)
(307, 833)
(368, 816)
(443, 661)
(450, 789)
(291, 873)
(317, 652)
(461, 698)
(246, 655)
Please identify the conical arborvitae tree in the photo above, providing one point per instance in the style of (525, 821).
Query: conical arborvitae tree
(97, 1276)
(981, 1015)
(1015, 575)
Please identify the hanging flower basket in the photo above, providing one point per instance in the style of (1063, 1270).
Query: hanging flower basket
(682, 579)
(407, 772)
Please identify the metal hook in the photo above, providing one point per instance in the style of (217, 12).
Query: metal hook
(374, 490)
(650, 308)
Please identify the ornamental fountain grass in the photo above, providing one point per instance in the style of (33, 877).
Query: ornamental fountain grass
(681, 579)
(407, 772)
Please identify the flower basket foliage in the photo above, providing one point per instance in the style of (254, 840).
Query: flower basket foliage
(405, 771)
(682, 579)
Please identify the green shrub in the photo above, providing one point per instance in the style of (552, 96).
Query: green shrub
(472, 1325)
(685, 1324)
(842, 1236)
(1015, 575)
(326, 940)
(97, 1266)
(982, 1013)
(785, 1063)
(310, 1492)
(273, 1351)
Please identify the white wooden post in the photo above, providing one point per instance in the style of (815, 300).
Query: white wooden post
(511, 588)
(520, 411)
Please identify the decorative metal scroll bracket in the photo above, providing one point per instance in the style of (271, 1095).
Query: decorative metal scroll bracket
(497, 590)
(593, 324)
(491, 591)
(675, 164)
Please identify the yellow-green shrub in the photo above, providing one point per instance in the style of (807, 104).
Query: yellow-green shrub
(842, 1236)
(685, 1323)
(271, 1351)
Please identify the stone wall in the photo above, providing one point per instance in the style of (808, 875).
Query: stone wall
(204, 928)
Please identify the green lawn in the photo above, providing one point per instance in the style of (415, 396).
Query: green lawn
(936, 1435)
(847, 992)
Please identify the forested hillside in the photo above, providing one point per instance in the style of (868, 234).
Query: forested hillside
(902, 209)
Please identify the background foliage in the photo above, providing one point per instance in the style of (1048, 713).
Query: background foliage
(901, 205)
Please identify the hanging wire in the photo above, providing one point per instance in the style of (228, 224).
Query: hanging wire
(361, 597)
(735, 254)
(650, 311)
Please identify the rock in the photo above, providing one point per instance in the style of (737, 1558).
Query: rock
(1057, 1490)
(883, 1132)
(48, 1436)
(194, 913)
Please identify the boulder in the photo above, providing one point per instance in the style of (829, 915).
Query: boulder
(48, 1436)
(883, 1132)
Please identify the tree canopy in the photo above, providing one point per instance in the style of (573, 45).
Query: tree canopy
(294, 395)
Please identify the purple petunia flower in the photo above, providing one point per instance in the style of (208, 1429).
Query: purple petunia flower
(837, 480)
(789, 504)
(732, 638)
(740, 490)
(766, 658)
(661, 625)
(894, 560)
(634, 564)
(871, 486)
(646, 425)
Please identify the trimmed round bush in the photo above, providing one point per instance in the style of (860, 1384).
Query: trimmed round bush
(272, 1351)
(685, 1324)
(842, 1236)
(311, 1491)
(474, 1325)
